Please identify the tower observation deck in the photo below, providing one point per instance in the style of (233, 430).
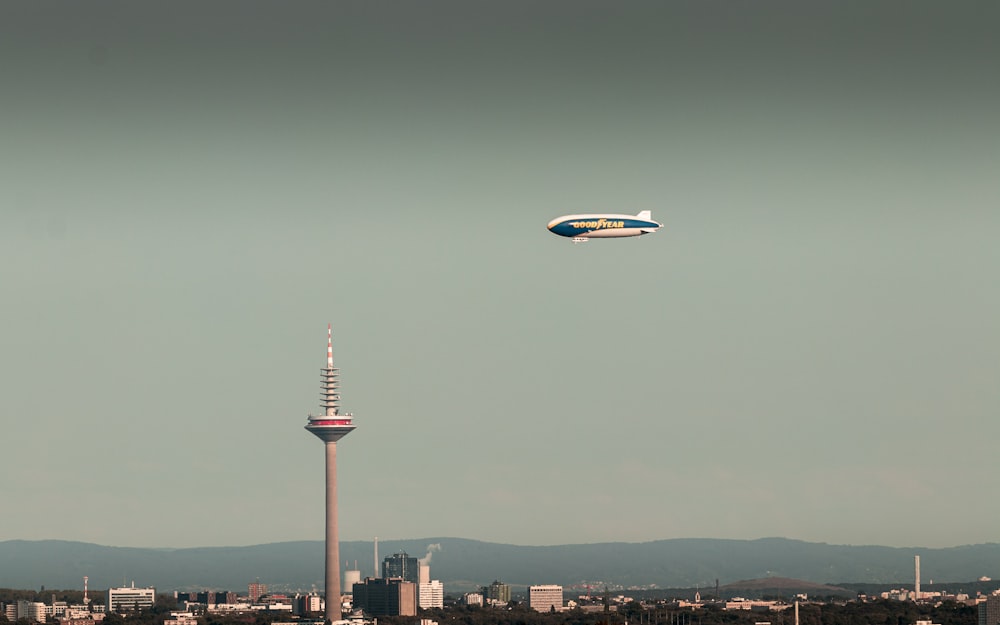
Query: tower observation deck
(330, 427)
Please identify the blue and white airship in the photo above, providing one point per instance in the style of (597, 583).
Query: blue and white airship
(603, 226)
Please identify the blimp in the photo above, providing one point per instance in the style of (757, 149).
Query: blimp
(603, 226)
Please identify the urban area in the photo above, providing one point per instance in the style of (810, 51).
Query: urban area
(406, 594)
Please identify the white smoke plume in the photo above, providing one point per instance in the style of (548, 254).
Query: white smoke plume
(430, 552)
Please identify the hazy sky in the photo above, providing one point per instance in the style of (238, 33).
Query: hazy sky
(809, 348)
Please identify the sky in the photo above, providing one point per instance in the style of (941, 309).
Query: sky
(808, 348)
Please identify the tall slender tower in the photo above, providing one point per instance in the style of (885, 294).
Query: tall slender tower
(330, 427)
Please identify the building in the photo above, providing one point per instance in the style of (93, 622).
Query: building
(84, 620)
(386, 597)
(256, 590)
(402, 566)
(545, 598)
(989, 610)
(130, 599)
(30, 610)
(211, 597)
(59, 608)
(497, 593)
(307, 604)
(739, 603)
(181, 618)
(472, 598)
(330, 427)
(78, 612)
(430, 594)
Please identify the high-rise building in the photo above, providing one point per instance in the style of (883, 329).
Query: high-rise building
(330, 427)
(128, 599)
(545, 597)
(386, 597)
(430, 594)
(256, 590)
(989, 611)
(402, 566)
(497, 593)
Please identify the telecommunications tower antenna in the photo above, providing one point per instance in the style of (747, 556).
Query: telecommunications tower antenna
(330, 427)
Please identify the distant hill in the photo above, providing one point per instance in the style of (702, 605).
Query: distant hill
(783, 586)
(463, 564)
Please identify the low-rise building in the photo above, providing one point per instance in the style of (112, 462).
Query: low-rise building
(181, 618)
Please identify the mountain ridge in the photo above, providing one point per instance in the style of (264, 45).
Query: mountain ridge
(463, 564)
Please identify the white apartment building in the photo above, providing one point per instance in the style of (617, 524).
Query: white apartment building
(545, 597)
(131, 598)
(31, 610)
(430, 594)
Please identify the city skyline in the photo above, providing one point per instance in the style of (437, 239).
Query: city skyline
(807, 348)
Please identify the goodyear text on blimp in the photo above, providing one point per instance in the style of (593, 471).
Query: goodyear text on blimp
(599, 224)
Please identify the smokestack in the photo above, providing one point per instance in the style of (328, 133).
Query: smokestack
(796, 612)
(916, 583)
(375, 574)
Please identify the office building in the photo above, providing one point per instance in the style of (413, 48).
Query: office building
(545, 597)
(386, 597)
(497, 593)
(401, 566)
(989, 611)
(130, 599)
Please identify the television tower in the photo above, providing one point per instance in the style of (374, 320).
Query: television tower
(330, 427)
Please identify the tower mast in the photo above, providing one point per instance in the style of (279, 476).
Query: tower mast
(330, 427)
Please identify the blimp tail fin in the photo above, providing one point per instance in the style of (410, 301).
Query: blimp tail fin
(645, 215)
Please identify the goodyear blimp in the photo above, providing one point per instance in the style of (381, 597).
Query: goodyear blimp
(603, 226)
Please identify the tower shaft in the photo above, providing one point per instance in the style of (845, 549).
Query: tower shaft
(332, 539)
